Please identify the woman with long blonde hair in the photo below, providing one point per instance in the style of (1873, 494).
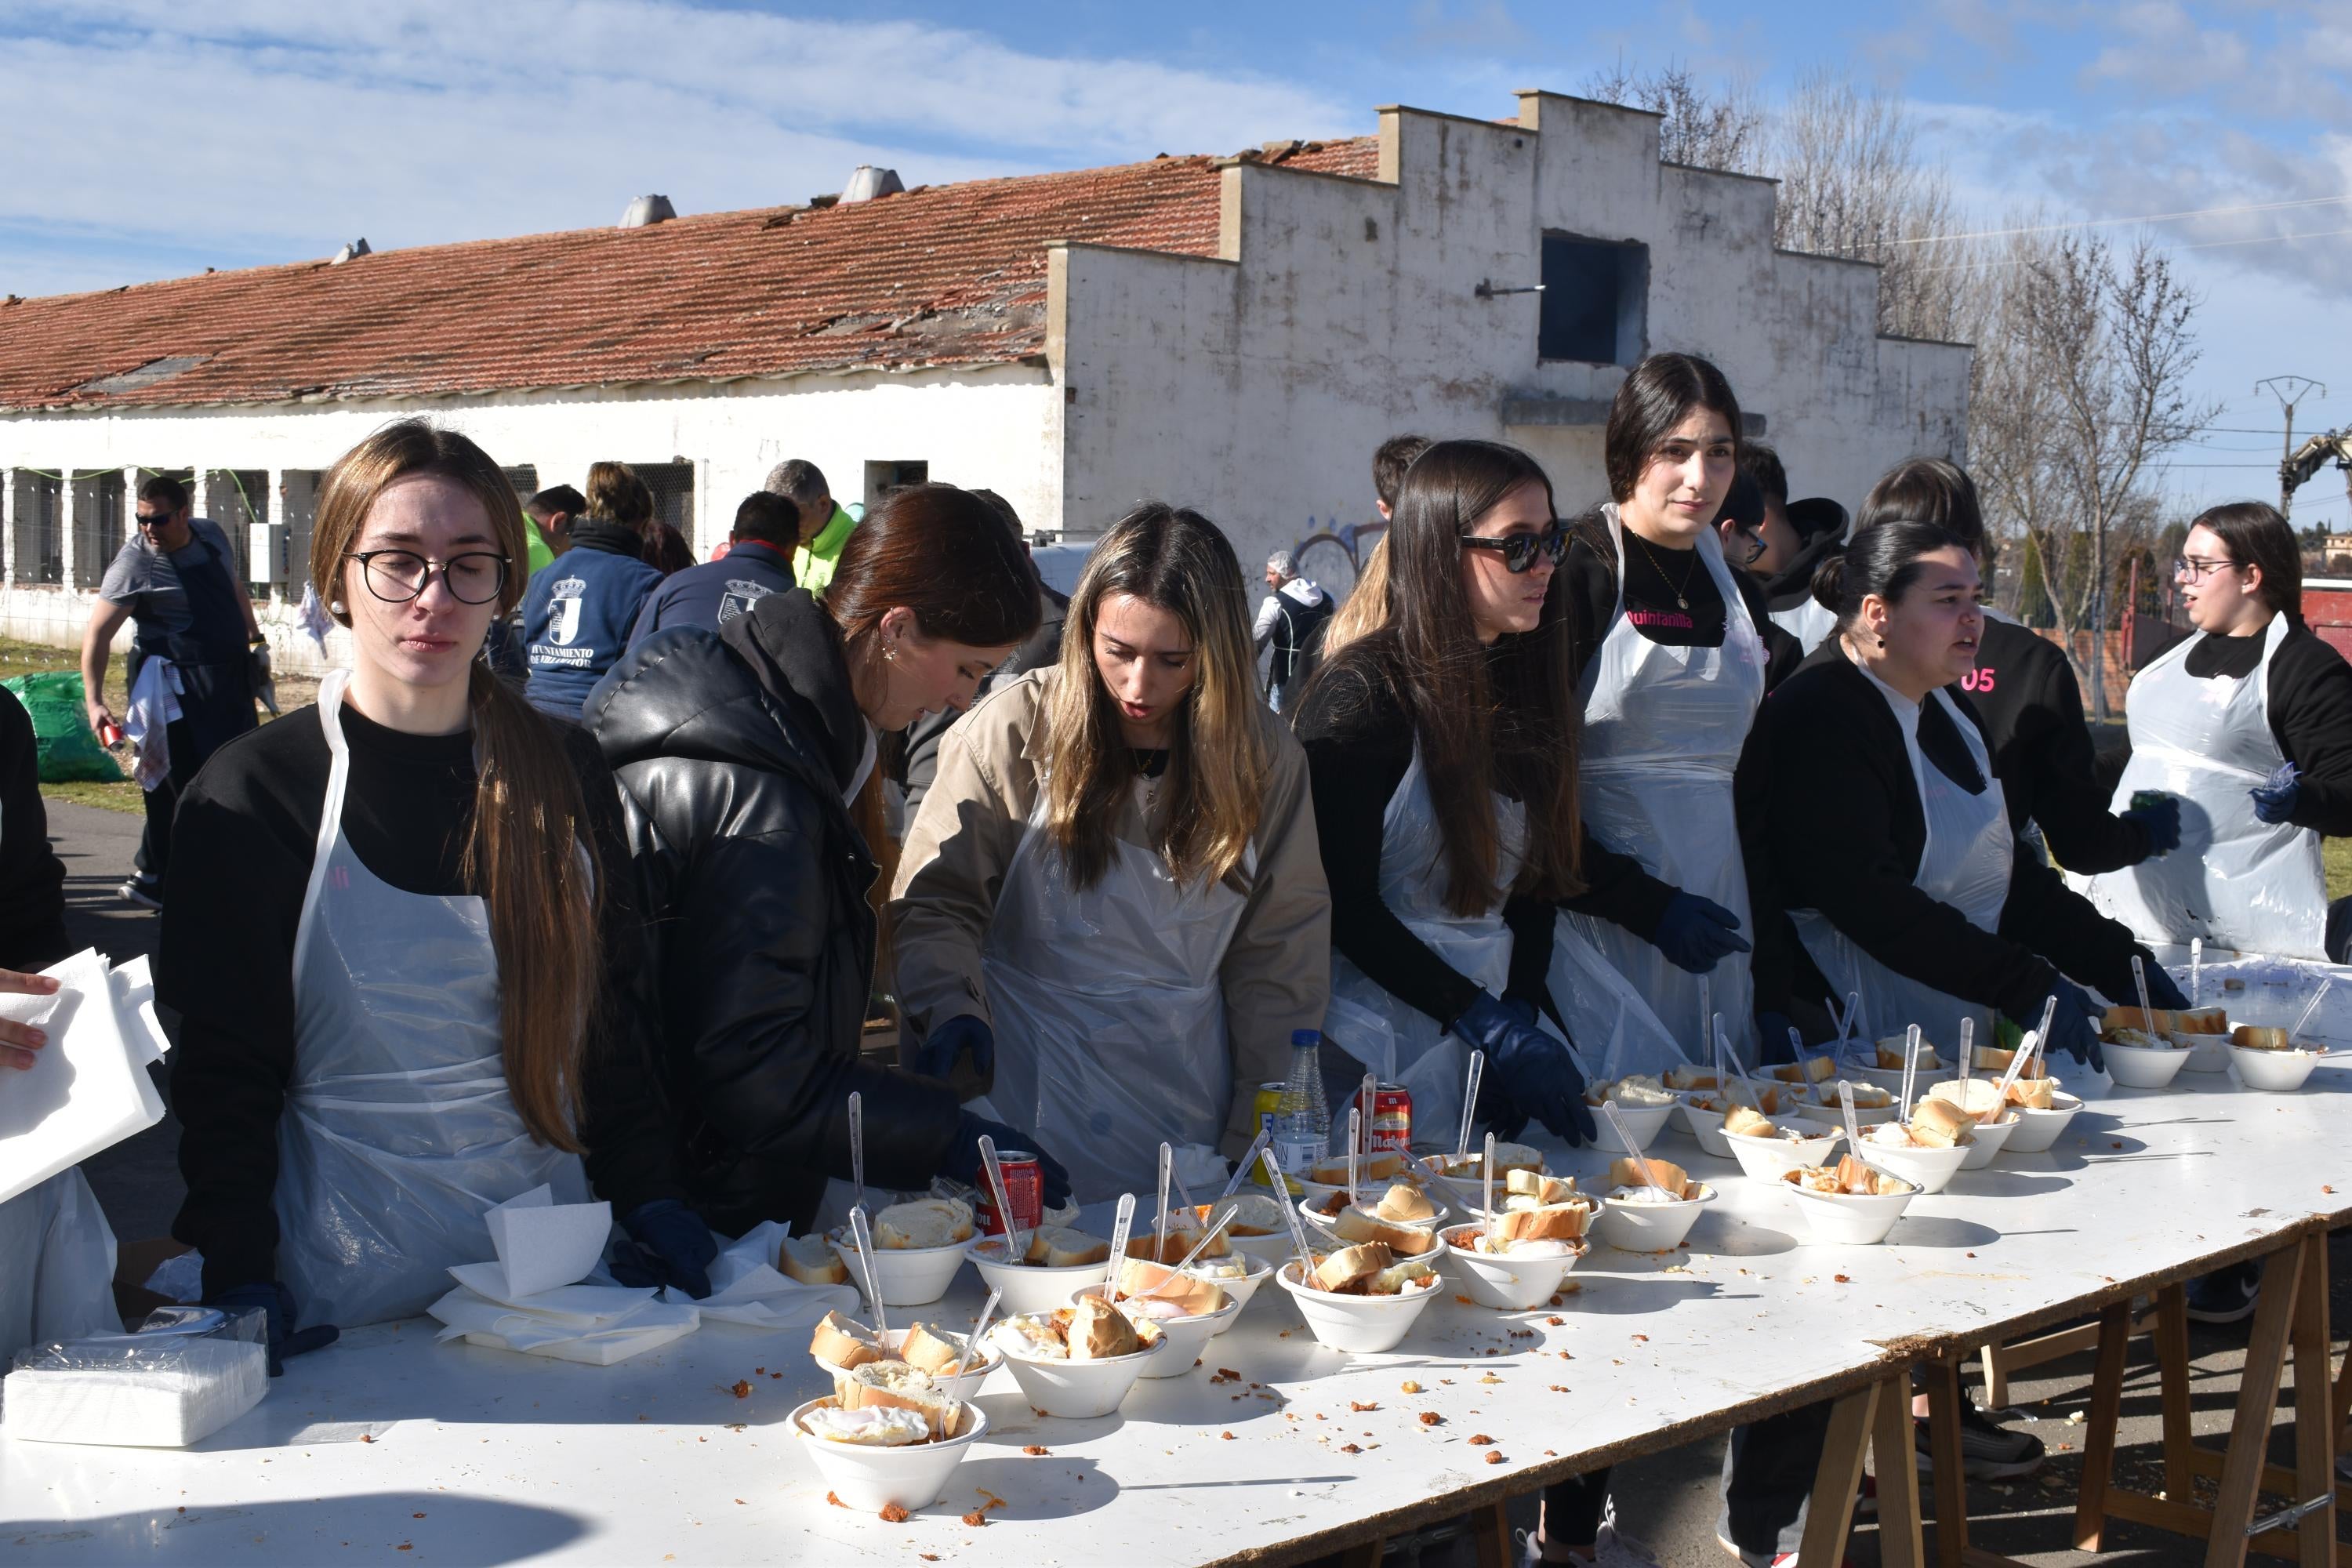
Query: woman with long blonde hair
(393, 920)
(1117, 867)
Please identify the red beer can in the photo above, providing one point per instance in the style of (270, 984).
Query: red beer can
(1389, 1117)
(1025, 1189)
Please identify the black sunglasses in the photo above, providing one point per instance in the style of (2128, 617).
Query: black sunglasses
(152, 518)
(1520, 550)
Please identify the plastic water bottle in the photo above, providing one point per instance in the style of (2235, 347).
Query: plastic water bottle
(1304, 1093)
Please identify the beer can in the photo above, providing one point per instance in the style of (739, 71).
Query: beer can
(1389, 1119)
(1025, 1189)
(1267, 1104)
(110, 734)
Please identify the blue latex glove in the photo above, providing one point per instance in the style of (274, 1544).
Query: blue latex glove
(2274, 797)
(276, 1302)
(2163, 991)
(1695, 933)
(2075, 1026)
(963, 1156)
(668, 1245)
(2162, 820)
(1537, 1075)
(936, 1056)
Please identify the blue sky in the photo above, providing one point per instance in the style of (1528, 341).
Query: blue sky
(148, 138)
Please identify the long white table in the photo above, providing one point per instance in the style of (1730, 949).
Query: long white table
(466, 1454)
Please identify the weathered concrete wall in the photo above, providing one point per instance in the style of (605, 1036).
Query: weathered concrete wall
(1256, 387)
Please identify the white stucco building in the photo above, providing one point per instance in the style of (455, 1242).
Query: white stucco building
(1235, 334)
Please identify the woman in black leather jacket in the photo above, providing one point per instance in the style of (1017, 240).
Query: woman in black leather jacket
(745, 761)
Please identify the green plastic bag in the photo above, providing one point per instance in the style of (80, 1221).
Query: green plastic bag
(69, 750)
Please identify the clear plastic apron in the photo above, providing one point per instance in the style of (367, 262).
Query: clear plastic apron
(1809, 623)
(1965, 863)
(399, 1132)
(1663, 731)
(1109, 1010)
(2236, 880)
(1388, 1036)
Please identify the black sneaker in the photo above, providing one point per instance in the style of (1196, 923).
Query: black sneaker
(139, 890)
(2224, 1296)
(1988, 1452)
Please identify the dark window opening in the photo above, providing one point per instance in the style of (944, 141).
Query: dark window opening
(673, 488)
(98, 524)
(1596, 300)
(881, 478)
(40, 542)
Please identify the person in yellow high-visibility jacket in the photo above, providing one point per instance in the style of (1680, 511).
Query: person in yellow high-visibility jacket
(824, 525)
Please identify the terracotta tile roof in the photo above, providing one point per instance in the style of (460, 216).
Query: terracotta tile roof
(940, 275)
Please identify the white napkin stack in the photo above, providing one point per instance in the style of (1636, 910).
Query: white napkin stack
(148, 1390)
(545, 1296)
(87, 1088)
(746, 1286)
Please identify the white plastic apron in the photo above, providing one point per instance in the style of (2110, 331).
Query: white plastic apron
(1663, 731)
(1809, 623)
(399, 1133)
(1391, 1037)
(56, 1266)
(2236, 880)
(1109, 1010)
(1965, 864)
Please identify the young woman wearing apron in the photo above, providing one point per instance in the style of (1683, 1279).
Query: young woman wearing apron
(1111, 893)
(2250, 725)
(391, 977)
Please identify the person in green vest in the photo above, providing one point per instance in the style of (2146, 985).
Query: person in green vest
(824, 526)
(550, 512)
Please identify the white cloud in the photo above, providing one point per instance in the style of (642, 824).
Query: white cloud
(271, 128)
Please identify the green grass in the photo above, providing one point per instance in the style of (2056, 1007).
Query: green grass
(2338, 852)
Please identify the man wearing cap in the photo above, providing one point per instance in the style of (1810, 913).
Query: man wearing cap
(824, 526)
(1291, 621)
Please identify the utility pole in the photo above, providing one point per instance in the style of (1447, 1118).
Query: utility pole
(2289, 390)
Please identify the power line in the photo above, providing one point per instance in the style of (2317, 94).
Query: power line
(2266, 239)
(2102, 222)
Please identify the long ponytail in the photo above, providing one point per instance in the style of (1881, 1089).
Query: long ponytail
(523, 853)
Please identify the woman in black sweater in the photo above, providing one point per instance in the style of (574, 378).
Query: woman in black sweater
(2251, 725)
(400, 934)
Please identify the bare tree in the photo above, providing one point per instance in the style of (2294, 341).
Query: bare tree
(2081, 385)
(1707, 128)
(1852, 183)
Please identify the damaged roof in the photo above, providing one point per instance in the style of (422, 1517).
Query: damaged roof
(941, 275)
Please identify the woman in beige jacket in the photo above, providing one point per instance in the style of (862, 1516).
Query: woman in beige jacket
(1117, 873)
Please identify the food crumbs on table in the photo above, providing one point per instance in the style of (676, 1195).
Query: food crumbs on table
(893, 1513)
(1431, 1419)
(2325, 1189)
(1573, 1288)
(1358, 1406)
(1463, 1299)
(835, 1500)
(1841, 1278)
(1445, 1382)
(1350, 1448)
(742, 1390)
(739, 1503)
(776, 1377)
(1555, 1320)
(366, 1438)
(421, 1516)
(1494, 1455)
(994, 1500)
(1228, 1436)
(1034, 1450)
(975, 1519)
(1490, 1377)
(928, 1556)
(1480, 1440)
(404, 1546)
(1409, 1386)
(1641, 1339)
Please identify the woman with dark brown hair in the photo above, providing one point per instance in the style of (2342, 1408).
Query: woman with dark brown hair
(393, 920)
(745, 758)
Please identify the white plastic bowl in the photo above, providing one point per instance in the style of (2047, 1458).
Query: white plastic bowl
(1987, 1139)
(1834, 1115)
(1930, 1170)
(1243, 1290)
(1769, 1159)
(1181, 1338)
(1848, 1219)
(1361, 1324)
(1650, 1228)
(2275, 1072)
(2143, 1066)
(1081, 1390)
(1027, 1289)
(908, 1275)
(870, 1479)
(1274, 1251)
(2038, 1131)
(1510, 1284)
(1645, 1121)
(1705, 1126)
(964, 1386)
(1321, 1225)
(2210, 1053)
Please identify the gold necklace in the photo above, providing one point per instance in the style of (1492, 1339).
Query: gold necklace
(1682, 594)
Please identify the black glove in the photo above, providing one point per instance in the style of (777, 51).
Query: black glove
(2073, 1026)
(936, 1056)
(1773, 1045)
(277, 1303)
(1695, 933)
(1538, 1076)
(2276, 797)
(2161, 818)
(2163, 991)
(963, 1156)
(670, 1244)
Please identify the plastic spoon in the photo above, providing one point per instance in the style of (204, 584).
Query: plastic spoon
(1360, 1123)
(1355, 1118)
(995, 1173)
(1911, 1067)
(2196, 971)
(1854, 1019)
(865, 1241)
(1159, 1232)
(1241, 1170)
(972, 1341)
(1705, 1006)
(1852, 1123)
(1641, 1161)
(1121, 1228)
(1298, 1235)
(1747, 1079)
(857, 1149)
(2025, 1052)
(1431, 1167)
(1469, 1103)
(2139, 983)
(2295, 1031)
(1796, 1045)
(1487, 1193)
